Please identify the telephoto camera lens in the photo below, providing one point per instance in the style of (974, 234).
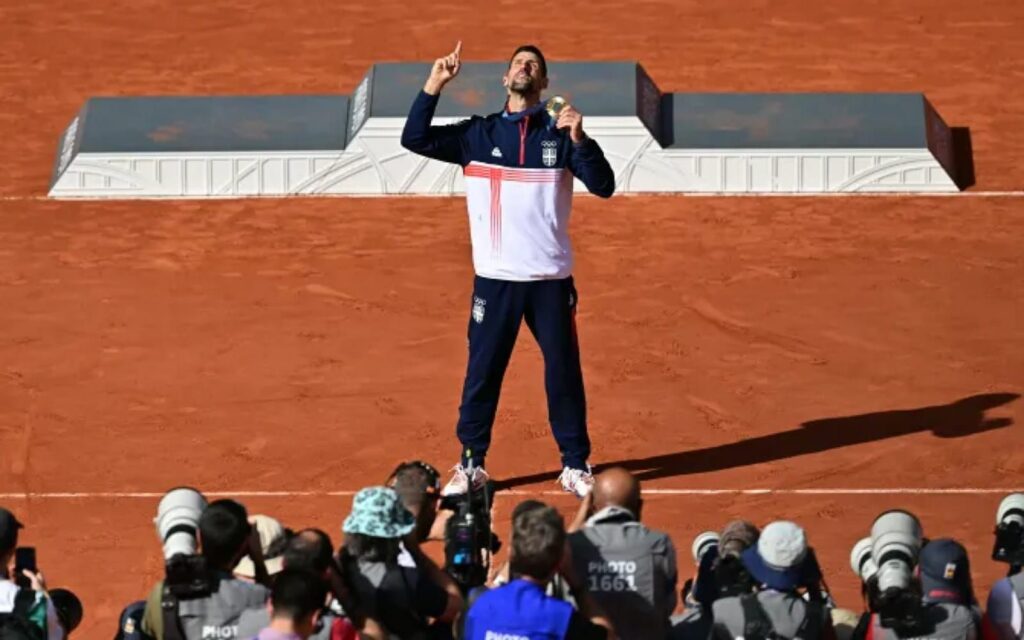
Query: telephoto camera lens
(177, 520)
(895, 543)
(703, 543)
(1011, 510)
(1009, 544)
(861, 561)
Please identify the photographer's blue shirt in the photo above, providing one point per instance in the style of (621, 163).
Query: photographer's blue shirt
(519, 610)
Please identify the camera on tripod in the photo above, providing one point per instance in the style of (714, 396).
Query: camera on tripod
(469, 542)
(1009, 543)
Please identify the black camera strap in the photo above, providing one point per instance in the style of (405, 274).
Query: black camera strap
(757, 626)
(171, 615)
(810, 626)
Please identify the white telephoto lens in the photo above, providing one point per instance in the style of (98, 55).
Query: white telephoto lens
(861, 562)
(1011, 510)
(177, 520)
(702, 544)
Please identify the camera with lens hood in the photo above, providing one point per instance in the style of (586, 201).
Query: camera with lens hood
(727, 574)
(186, 575)
(1009, 543)
(885, 563)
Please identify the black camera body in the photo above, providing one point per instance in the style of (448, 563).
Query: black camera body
(901, 610)
(1009, 544)
(468, 539)
(731, 577)
(187, 577)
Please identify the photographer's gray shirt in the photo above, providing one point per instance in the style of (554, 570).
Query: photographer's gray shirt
(630, 571)
(786, 612)
(215, 616)
(941, 621)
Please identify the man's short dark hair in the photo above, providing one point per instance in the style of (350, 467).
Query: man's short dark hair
(297, 594)
(224, 527)
(412, 483)
(538, 542)
(529, 48)
(525, 506)
(309, 549)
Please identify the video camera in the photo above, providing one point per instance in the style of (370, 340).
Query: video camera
(1009, 543)
(885, 563)
(469, 542)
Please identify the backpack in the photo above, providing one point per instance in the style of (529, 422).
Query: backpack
(17, 625)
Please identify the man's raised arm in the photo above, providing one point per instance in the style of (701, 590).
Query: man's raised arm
(446, 142)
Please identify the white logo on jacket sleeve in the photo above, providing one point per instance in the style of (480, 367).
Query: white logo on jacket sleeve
(496, 152)
(495, 635)
(549, 153)
(478, 309)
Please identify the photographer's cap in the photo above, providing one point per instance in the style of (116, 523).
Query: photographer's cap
(378, 512)
(945, 572)
(779, 559)
(9, 526)
(271, 534)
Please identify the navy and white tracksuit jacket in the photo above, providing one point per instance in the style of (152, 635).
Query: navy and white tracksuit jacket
(519, 186)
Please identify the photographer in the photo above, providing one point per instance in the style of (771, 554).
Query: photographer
(784, 569)
(720, 574)
(296, 604)
(309, 550)
(948, 594)
(629, 569)
(225, 536)
(720, 571)
(26, 610)
(402, 599)
(520, 608)
(418, 486)
(938, 604)
(1004, 616)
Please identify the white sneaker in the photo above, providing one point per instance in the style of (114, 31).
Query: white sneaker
(578, 482)
(459, 484)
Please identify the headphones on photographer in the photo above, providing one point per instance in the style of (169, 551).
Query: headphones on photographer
(434, 478)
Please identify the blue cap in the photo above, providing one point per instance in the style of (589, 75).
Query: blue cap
(945, 572)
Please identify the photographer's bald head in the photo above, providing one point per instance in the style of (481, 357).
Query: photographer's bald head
(617, 487)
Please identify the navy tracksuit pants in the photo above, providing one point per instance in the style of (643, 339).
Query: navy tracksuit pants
(549, 308)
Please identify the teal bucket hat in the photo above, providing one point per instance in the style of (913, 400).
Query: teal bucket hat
(378, 512)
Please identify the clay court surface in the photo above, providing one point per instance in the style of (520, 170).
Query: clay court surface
(309, 345)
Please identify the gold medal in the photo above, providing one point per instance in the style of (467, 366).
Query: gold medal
(554, 106)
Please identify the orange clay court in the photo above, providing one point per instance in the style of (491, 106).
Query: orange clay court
(305, 346)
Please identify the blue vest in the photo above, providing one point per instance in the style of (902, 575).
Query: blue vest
(519, 610)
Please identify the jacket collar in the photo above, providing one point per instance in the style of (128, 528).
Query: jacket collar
(612, 514)
(534, 111)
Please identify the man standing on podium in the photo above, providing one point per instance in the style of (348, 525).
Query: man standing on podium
(519, 165)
